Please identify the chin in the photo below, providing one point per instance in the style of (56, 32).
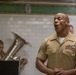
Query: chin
(58, 31)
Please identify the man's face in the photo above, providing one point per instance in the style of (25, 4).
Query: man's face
(60, 22)
(1, 48)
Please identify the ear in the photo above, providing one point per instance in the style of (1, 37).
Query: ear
(68, 22)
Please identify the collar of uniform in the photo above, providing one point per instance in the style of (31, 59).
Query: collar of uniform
(68, 37)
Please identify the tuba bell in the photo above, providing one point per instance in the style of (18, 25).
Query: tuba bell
(15, 47)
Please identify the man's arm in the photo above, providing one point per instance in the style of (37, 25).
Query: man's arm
(42, 68)
(71, 72)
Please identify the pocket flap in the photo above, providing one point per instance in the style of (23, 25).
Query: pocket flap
(69, 52)
(50, 51)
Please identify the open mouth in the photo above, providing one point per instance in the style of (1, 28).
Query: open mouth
(56, 26)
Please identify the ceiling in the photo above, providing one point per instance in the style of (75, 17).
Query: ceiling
(62, 1)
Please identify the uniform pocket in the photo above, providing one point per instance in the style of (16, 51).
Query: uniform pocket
(69, 52)
(50, 51)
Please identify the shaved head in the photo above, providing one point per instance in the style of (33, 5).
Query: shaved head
(64, 15)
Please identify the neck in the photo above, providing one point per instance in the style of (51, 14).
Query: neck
(63, 34)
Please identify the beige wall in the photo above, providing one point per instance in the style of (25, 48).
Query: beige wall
(33, 28)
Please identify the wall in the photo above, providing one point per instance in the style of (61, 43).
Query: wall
(34, 29)
(34, 8)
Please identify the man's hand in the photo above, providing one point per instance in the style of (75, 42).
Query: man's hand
(59, 71)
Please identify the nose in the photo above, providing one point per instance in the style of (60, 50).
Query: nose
(56, 20)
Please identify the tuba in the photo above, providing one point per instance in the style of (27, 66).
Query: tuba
(14, 48)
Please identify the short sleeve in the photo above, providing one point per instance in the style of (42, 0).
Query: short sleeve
(42, 51)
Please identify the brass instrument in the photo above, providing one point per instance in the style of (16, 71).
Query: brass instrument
(23, 62)
(15, 47)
